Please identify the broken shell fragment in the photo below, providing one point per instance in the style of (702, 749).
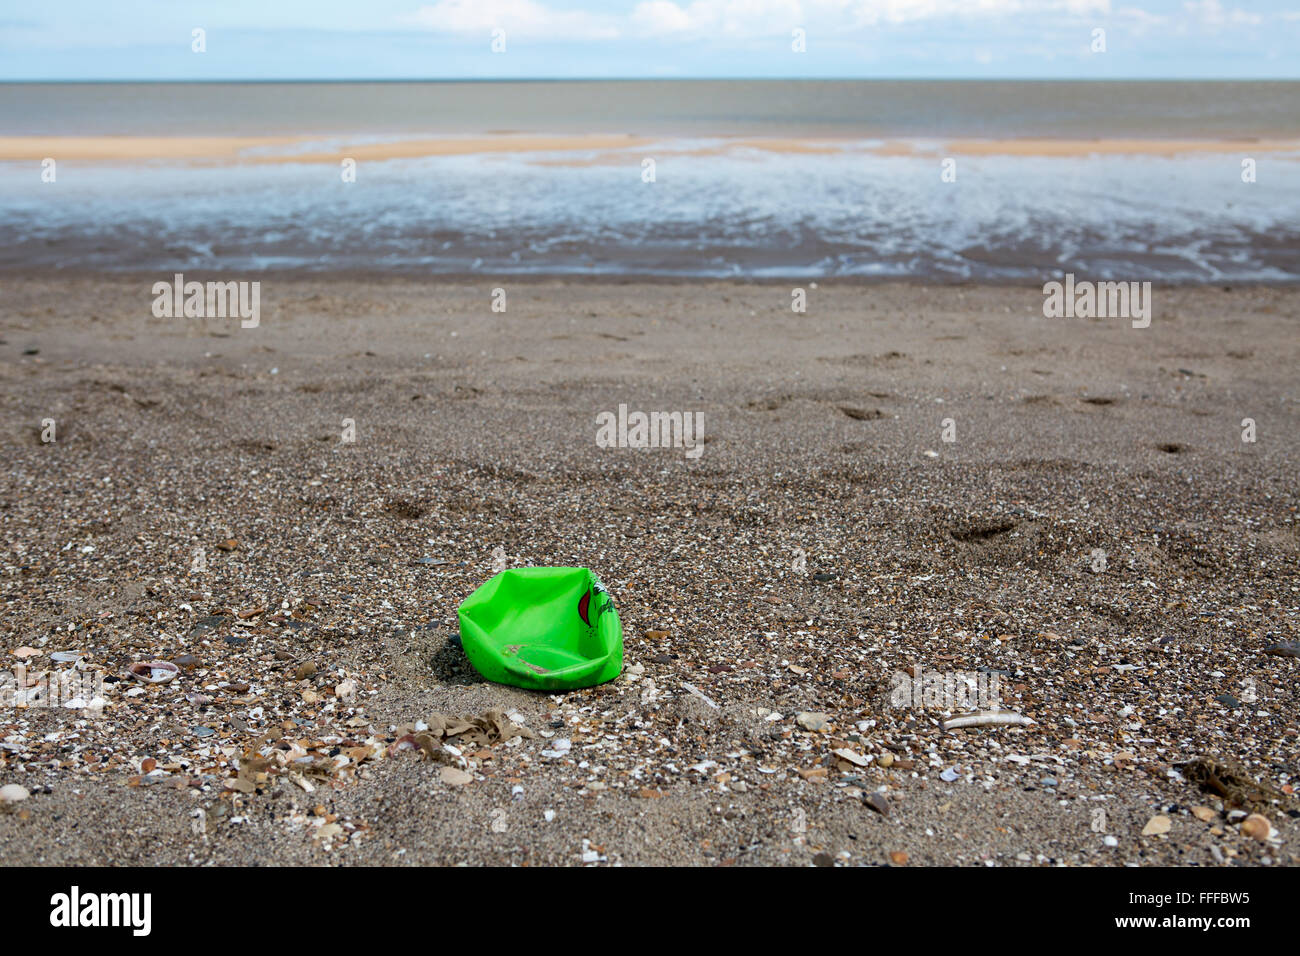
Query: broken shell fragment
(1257, 827)
(67, 657)
(990, 718)
(153, 672)
(13, 793)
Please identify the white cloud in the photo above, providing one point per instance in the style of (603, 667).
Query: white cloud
(767, 17)
(519, 18)
(1212, 14)
(714, 17)
(741, 19)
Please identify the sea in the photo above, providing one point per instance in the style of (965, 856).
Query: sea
(753, 179)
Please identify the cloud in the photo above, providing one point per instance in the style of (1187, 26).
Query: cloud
(719, 17)
(767, 17)
(1212, 14)
(519, 18)
(746, 19)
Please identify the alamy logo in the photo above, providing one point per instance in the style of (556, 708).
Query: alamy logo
(212, 300)
(103, 909)
(937, 690)
(653, 430)
(1101, 300)
(73, 689)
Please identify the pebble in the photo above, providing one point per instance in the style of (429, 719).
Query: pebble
(886, 759)
(949, 775)
(854, 758)
(1291, 649)
(1156, 826)
(877, 802)
(812, 721)
(1257, 827)
(1110, 841)
(1204, 814)
(304, 670)
(455, 777)
(12, 793)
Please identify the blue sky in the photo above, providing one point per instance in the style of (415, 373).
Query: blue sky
(409, 39)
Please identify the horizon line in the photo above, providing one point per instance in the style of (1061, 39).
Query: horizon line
(666, 79)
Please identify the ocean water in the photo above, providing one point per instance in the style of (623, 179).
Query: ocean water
(856, 211)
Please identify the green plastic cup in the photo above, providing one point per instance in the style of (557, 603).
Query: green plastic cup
(543, 629)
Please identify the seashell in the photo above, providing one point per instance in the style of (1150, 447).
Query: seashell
(67, 657)
(153, 672)
(998, 718)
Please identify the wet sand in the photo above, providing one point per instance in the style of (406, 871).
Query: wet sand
(269, 150)
(827, 539)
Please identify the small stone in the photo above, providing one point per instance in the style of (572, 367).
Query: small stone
(1156, 826)
(854, 758)
(1204, 814)
(230, 544)
(878, 802)
(328, 831)
(1290, 649)
(25, 652)
(202, 731)
(656, 635)
(455, 777)
(898, 858)
(1110, 841)
(1257, 827)
(12, 793)
(305, 669)
(812, 721)
(823, 859)
(186, 661)
(886, 759)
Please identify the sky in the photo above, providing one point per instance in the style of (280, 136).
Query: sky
(454, 39)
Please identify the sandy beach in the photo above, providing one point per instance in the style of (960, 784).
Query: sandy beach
(1097, 536)
(275, 150)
